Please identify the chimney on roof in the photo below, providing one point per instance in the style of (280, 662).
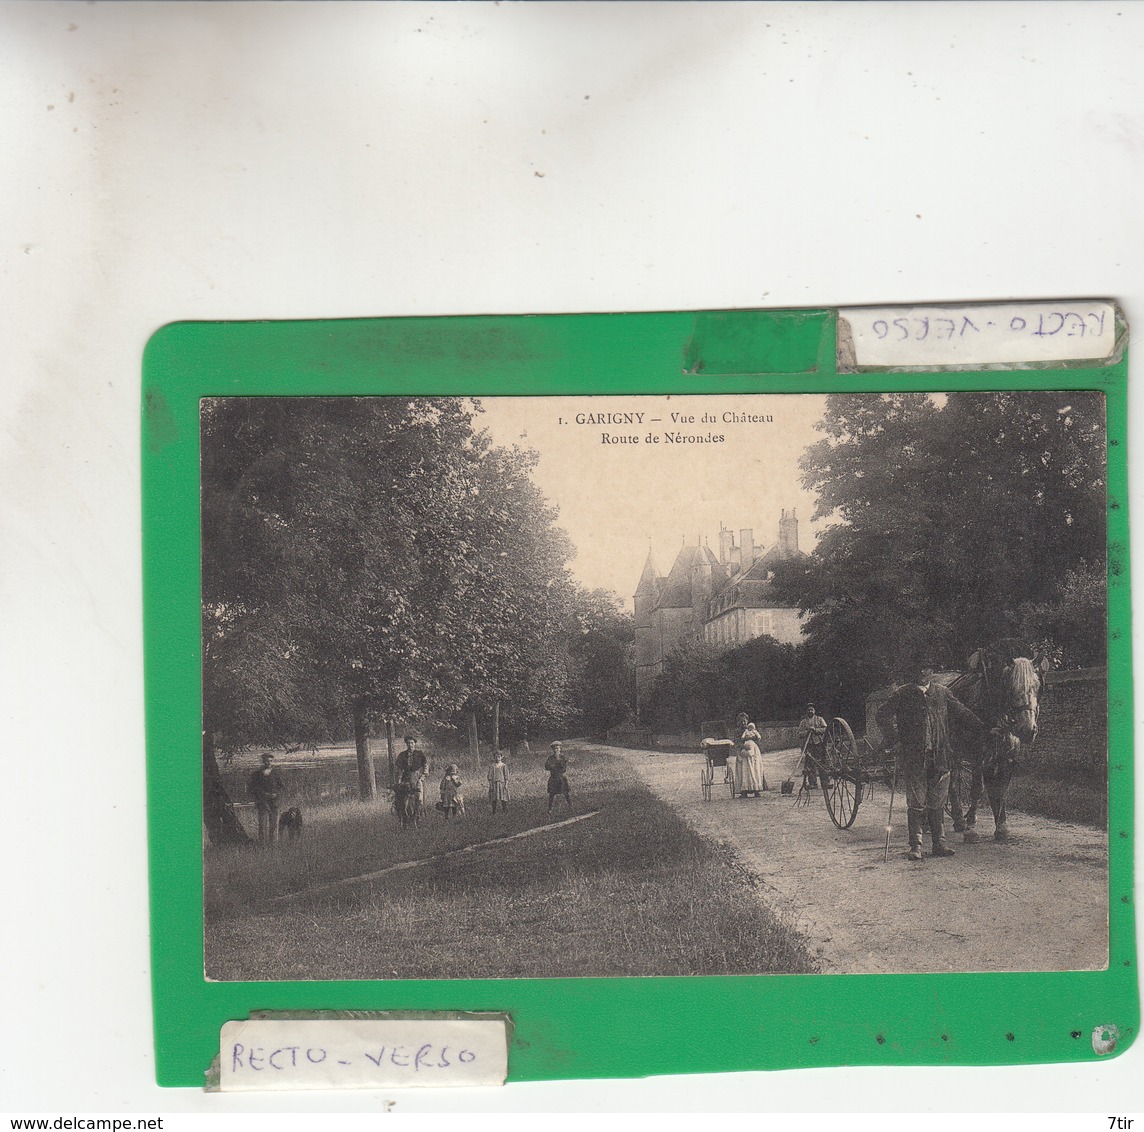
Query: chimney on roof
(746, 548)
(726, 542)
(788, 534)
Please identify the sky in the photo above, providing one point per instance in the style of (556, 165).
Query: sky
(618, 498)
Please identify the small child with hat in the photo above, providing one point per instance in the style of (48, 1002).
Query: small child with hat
(452, 800)
(557, 766)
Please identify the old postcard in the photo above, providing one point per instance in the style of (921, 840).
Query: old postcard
(723, 684)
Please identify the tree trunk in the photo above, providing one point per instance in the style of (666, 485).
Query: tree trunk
(474, 742)
(223, 826)
(496, 726)
(367, 787)
(390, 743)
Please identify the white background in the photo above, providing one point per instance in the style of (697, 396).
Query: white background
(238, 161)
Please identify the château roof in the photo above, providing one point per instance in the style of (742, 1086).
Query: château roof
(677, 589)
(754, 588)
(750, 594)
(724, 585)
(766, 561)
(650, 579)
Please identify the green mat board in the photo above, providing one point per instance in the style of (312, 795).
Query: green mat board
(587, 1027)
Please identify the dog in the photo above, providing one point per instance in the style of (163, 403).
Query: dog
(290, 824)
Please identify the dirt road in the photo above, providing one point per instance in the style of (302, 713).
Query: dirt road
(1036, 903)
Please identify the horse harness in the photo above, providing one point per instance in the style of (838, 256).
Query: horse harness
(1005, 746)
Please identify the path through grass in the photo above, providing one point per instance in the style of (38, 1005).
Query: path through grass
(632, 891)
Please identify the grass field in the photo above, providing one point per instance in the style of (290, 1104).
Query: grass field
(1077, 797)
(630, 891)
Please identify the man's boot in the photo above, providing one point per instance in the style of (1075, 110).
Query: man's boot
(937, 831)
(915, 819)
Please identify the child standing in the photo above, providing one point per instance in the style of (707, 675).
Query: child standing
(557, 766)
(452, 800)
(498, 783)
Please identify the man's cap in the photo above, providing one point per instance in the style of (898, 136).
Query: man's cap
(557, 743)
(810, 707)
(410, 738)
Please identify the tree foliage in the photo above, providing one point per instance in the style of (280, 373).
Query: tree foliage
(954, 524)
(514, 600)
(767, 679)
(378, 556)
(601, 639)
(322, 522)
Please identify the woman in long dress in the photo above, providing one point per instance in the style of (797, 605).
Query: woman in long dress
(750, 781)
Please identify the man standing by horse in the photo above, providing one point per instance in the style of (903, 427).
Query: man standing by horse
(919, 714)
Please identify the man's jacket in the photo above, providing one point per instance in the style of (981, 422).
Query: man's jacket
(921, 722)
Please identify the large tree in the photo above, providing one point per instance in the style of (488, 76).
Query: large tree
(506, 614)
(312, 512)
(366, 557)
(688, 689)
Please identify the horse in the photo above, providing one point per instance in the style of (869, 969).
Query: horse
(1003, 686)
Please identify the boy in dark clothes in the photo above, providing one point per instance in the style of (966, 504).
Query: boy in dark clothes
(265, 788)
(557, 767)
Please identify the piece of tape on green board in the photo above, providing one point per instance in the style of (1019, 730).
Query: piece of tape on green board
(597, 1026)
(756, 342)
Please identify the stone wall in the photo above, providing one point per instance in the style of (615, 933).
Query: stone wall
(778, 736)
(775, 736)
(1072, 734)
(1073, 728)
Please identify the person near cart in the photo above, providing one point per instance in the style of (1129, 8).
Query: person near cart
(918, 714)
(812, 732)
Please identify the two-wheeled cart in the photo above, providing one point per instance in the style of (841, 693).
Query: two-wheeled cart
(844, 770)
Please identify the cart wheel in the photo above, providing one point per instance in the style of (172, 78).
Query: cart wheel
(705, 783)
(841, 774)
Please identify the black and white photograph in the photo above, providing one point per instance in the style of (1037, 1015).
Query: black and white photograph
(243, 163)
(539, 687)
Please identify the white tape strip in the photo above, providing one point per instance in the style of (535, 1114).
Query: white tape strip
(1007, 333)
(275, 1054)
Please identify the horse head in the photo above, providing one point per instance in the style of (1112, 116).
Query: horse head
(1015, 684)
(1004, 686)
(1023, 682)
